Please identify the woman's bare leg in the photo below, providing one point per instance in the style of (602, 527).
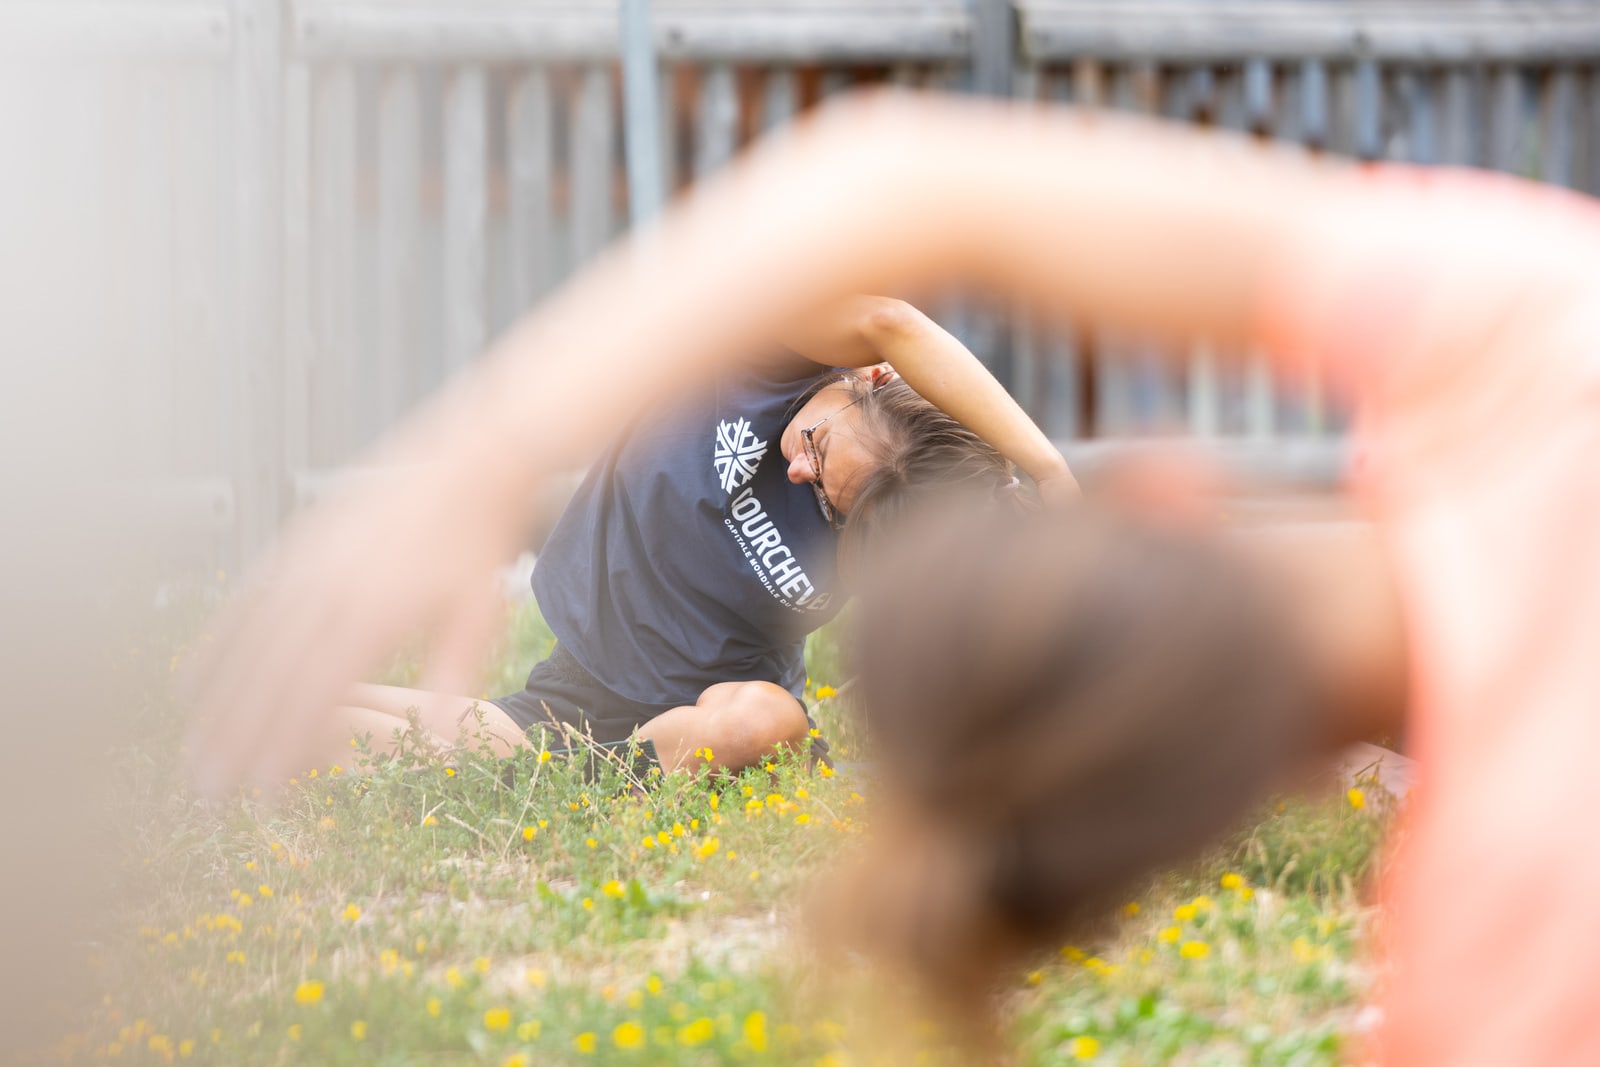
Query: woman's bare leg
(742, 723)
(379, 713)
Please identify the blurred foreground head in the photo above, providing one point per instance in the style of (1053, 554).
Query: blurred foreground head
(1062, 702)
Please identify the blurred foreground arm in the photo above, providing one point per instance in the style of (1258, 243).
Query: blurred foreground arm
(1076, 212)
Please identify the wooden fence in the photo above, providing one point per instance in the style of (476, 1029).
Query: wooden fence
(309, 212)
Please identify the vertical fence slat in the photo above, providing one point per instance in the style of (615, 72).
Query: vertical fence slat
(779, 99)
(1422, 135)
(334, 163)
(1368, 91)
(719, 120)
(1560, 97)
(1258, 95)
(466, 191)
(529, 158)
(299, 284)
(1314, 103)
(398, 240)
(257, 143)
(1458, 143)
(593, 129)
(1507, 121)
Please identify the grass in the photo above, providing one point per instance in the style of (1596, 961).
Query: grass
(450, 910)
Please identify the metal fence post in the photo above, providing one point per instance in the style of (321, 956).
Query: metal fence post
(994, 47)
(257, 142)
(641, 113)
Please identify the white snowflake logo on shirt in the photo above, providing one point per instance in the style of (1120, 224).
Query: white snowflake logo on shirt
(737, 453)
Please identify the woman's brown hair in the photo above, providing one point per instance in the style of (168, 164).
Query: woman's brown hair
(1061, 702)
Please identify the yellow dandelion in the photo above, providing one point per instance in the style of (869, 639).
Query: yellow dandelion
(534, 977)
(308, 992)
(825, 770)
(591, 842)
(1131, 908)
(452, 978)
(826, 692)
(544, 755)
(585, 1042)
(697, 1033)
(1357, 798)
(358, 1030)
(497, 1020)
(1083, 1048)
(186, 1048)
(529, 1030)
(1170, 935)
(1202, 903)
(652, 985)
(1231, 881)
(802, 819)
(434, 1006)
(614, 889)
(528, 832)
(295, 1030)
(481, 965)
(1185, 913)
(351, 913)
(1035, 977)
(707, 848)
(755, 1031)
(516, 1059)
(1194, 950)
(628, 1035)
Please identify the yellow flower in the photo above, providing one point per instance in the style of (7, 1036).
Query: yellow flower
(1202, 903)
(449, 772)
(591, 842)
(707, 848)
(1169, 936)
(628, 1035)
(516, 1059)
(308, 992)
(1084, 1048)
(1131, 908)
(481, 964)
(358, 1030)
(534, 977)
(1035, 977)
(186, 1048)
(755, 1031)
(1357, 798)
(295, 1030)
(452, 978)
(529, 1030)
(613, 888)
(697, 1033)
(825, 770)
(264, 891)
(1194, 950)
(496, 1020)
(826, 692)
(528, 832)
(434, 1006)
(584, 1043)
(544, 756)
(1231, 881)
(1072, 952)
(704, 753)
(430, 821)
(802, 819)
(351, 913)
(1185, 913)
(652, 985)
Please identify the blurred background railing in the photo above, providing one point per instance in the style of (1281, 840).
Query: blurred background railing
(292, 218)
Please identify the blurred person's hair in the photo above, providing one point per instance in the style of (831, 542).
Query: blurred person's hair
(1062, 701)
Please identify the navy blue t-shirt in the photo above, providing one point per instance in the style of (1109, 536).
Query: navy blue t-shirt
(687, 557)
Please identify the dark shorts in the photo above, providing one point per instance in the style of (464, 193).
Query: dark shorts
(562, 695)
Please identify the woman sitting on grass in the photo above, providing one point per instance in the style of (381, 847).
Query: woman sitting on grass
(705, 544)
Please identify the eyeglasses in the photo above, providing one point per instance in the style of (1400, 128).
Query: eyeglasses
(833, 515)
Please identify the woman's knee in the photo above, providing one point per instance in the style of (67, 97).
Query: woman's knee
(756, 716)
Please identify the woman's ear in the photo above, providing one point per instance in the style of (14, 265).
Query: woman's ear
(879, 374)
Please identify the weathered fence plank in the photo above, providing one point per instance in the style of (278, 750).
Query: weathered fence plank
(529, 139)
(593, 126)
(466, 240)
(399, 242)
(333, 160)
